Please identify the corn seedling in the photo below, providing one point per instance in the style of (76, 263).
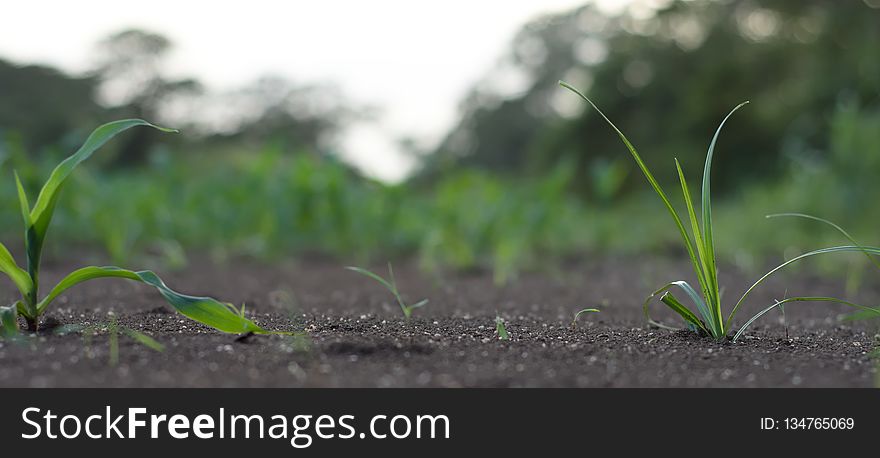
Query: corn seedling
(221, 316)
(500, 329)
(701, 251)
(581, 312)
(391, 285)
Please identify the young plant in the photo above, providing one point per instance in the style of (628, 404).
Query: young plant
(221, 316)
(701, 251)
(391, 285)
(581, 312)
(500, 329)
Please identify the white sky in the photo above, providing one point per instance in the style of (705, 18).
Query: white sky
(413, 59)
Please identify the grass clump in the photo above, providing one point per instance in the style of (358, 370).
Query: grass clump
(700, 246)
(391, 285)
(221, 316)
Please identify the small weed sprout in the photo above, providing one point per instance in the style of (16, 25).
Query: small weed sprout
(700, 245)
(391, 285)
(500, 329)
(581, 312)
(221, 316)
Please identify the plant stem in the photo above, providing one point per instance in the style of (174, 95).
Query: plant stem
(32, 324)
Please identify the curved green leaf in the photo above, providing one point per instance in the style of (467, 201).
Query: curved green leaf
(836, 249)
(653, 182)
(832, 224)
(677, 306)
(41, 214)
(751, 320)
(708, 232)
(221, 316)
(18, 275)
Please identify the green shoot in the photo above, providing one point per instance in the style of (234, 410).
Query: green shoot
(581, 312)
(206, 310)
(391, 285)
(500, 329)
(700, 246)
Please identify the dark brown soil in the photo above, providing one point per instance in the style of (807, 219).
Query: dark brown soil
(357, 336)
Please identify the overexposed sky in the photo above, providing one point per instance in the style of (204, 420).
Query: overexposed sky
(414, 60)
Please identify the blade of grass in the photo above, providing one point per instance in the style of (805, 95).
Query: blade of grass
(581, 312)
(803, 299)
(832, 224)
(708, 232)
(837, 249)
(708, 293)
(654, 184)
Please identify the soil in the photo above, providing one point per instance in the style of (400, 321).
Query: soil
(357, 337)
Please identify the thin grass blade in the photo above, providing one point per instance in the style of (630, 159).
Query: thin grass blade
(708, 231)
(367, 273)
(832, 224)
(653, 182)
(709, 293)
(836, 249)
(581, 312)
(779, 304)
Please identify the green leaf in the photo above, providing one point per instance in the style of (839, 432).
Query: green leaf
(373, 276)
(835, 226)
(41, 214)
(18, 275)
(581, 312)
(751, 320)
(836, 249)
(23, 202)
(685, 313)
(501, 329)
(708, 236)
(684, 286)
(8, 321)
(205, 310)
(709, 292)
(654, 184)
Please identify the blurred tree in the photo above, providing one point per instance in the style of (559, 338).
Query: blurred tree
(667, 77)
(131, 68)
(41, 105)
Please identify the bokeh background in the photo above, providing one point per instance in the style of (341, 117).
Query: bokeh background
(369, 131)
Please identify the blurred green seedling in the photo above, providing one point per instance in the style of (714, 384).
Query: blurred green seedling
(113, 330)
(500, 329)
(391, 285)
(221, 316)
(701, 251)
(581, 312)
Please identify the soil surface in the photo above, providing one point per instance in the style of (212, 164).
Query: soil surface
(356, 335)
